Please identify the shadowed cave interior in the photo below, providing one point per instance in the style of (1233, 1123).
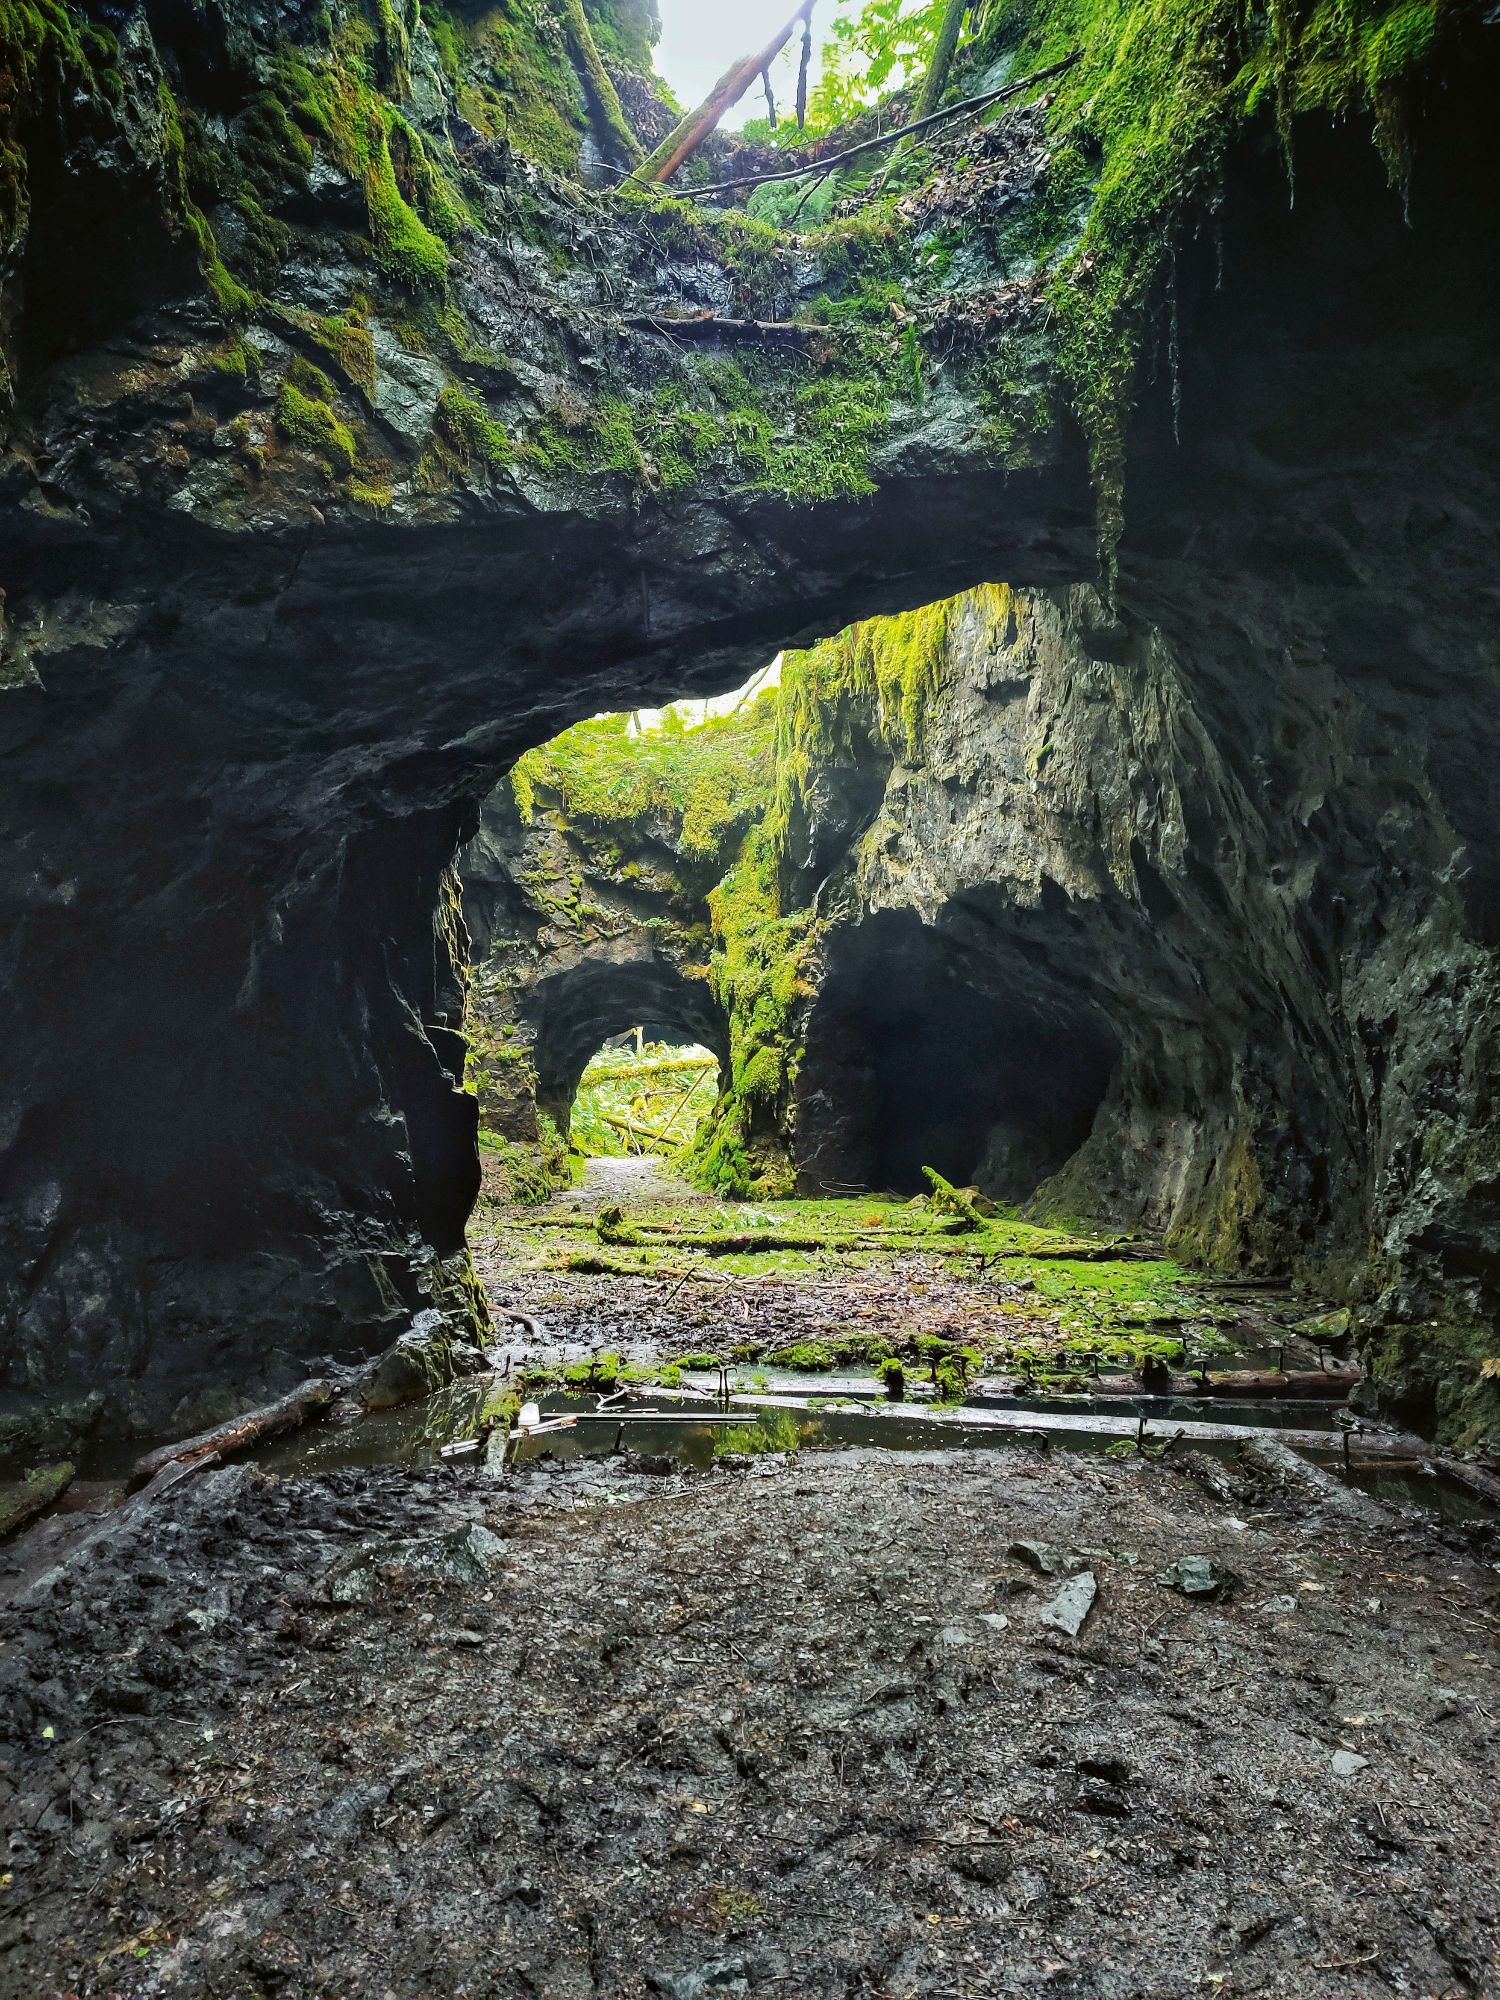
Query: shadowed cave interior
(989, 1071)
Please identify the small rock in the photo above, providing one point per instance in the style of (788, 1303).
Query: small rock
(1326, 1328)
(1106, 1800)
(1197, 1576)
(428, 1356)
(1348, 1763)
(1278, 1607)
(996, 1620)
(720, 1975)
(650, 1464)
(1044, 1558)
(1108, 1766)
(1072, 1604)
(955, 1635)
(465, 1557)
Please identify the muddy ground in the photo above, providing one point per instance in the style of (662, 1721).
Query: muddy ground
(793, 1728)
(863, 1273)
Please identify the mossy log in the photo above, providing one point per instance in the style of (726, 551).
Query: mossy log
(685, 138)
(609, 115)
(754, 1242)
(946, 1195)
(32, 1496)
(241, 1432)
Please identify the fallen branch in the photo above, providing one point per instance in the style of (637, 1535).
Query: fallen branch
(711, 326)
(517, 1318)
(240, 1433)
(829, 161)
(684, 140)
(653, 1065)
(633, 1131)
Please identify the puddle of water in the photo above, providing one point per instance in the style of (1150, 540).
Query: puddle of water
(685, 1434)
(1430, 1493)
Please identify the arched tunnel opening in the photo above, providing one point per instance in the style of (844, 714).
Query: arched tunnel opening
(921, 1053)
(643, 1094)
(626, 1025)
(1081, 984)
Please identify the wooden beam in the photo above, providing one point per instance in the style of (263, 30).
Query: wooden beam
(1193, 1431)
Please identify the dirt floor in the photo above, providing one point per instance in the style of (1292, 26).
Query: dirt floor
(858, 1723)
(799, 1727)
(633, 1261)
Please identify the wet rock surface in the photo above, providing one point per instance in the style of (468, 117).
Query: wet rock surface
(248, 718)
(756, 1731)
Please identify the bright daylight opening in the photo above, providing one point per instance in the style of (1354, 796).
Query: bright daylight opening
(641, 1095)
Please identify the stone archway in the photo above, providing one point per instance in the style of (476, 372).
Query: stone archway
(987, 1065)
(581, 1001)
(245, 729)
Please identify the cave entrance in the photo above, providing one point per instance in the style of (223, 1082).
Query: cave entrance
(988, 1065)
(643, 1094)
(604, 1025)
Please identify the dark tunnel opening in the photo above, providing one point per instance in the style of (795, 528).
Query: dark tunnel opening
(922, 1052)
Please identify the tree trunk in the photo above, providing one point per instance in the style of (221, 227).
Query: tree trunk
(603, 97)
(681, 143)
(312, 1399)
(936, 80)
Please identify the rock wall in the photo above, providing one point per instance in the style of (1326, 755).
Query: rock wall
(582, 928)
(350, 450)
(1192, 953)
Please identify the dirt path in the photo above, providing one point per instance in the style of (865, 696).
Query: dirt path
(627, 1183)
(625, 1263)
(793, 1726)
(801, 1730)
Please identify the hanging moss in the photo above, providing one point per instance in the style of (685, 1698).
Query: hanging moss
(346, 337)
(509, 70)
(1141, 127)
(883, 674)
(759, 972)
(468, 433)
(305, 417)
(404, 244)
